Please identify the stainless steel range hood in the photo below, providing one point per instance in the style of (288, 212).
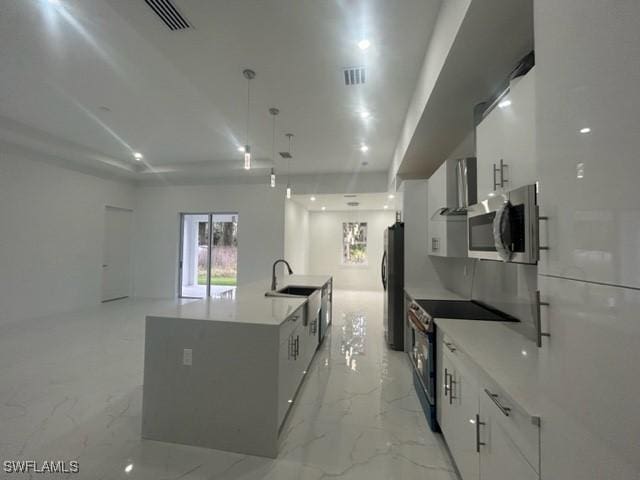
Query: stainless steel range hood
(466, 190)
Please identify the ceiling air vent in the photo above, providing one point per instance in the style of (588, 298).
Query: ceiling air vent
(169, 14)
(350, 195)
(354, 76)
(353, 204)
(285, 155)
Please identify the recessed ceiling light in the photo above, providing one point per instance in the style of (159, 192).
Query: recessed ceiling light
(313, 199)
(364, 44)
(128, 468)
(391, 196)
(241, 148)
(364, 148)
(364, 115)
(385, 207)
(585, 130)
(504, 103)
(54, 2)
(138, 155)
(324, 208)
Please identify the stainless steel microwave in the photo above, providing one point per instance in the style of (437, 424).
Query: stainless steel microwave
(505, 227)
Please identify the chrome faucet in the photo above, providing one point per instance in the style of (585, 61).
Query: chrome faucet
(273, 272)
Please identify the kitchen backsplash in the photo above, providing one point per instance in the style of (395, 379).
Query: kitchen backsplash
(509, 287)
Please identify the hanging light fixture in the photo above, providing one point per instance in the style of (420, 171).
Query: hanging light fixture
(249, 75)
(272, 178)
(289, 136)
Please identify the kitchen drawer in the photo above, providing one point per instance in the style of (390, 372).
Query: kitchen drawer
(516, 423)
(458, 357)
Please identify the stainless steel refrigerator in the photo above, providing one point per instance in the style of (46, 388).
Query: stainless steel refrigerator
(392, 272)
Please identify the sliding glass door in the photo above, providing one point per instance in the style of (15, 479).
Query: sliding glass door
(208, 255)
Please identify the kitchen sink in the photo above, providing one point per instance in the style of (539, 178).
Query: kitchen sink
(292, 291)
(301, 291)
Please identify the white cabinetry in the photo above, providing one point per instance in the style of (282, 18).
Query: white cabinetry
(291, 360)
(489, 437)
(447, 234)
(459, 402)
(587, 119)
(589, 380)
(500, 458)
(507, 135)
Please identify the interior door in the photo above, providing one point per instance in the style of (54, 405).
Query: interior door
(116, 264)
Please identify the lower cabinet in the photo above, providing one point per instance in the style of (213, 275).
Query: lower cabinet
(291, 360)
(500, 458)
(459, 410)
(489, 439)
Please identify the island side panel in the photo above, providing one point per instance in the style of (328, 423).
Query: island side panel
(227, 398)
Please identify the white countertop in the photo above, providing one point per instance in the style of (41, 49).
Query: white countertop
(431, 292)
(250, 304)
(504, 355)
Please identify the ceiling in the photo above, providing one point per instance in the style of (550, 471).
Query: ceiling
(96, 80)
(339, 202)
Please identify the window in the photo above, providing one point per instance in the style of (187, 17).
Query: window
(354, 243)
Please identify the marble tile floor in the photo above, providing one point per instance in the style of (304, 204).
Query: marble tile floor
(70, 389)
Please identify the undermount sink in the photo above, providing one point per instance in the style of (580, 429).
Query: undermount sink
(292, 291)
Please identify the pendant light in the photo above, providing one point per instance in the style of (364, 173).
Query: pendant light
(249, 75)
(289, 136)
(272, 178)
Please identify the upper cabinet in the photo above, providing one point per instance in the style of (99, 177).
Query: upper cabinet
(506, 140)
(588, 143)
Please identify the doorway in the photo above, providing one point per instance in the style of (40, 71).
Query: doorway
(208, 264)
(116, 260)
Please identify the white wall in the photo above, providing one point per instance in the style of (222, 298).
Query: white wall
(296, 236)
(157, 215)
(418, 268)
(51, 235)
(325, 254)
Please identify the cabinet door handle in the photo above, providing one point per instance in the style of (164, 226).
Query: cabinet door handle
(501, 170)
(290, 351)
(446, 384)
(495, 397)
(538, 319)
(297, 346)
(478, 442)
(450, 346)
(452, 382)
(502, 179)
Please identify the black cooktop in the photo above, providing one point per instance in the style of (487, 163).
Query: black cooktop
(464, 309)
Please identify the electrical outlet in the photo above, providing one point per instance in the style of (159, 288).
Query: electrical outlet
(187, 357)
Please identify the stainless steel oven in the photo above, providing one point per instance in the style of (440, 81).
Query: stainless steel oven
(423, 358)
(505, 227)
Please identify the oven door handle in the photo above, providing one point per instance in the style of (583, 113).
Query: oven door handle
(415, 323)
(500, 225)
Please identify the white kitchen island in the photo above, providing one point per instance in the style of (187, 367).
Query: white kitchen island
(223, 373)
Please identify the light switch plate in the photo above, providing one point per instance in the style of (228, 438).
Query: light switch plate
(187, 357)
